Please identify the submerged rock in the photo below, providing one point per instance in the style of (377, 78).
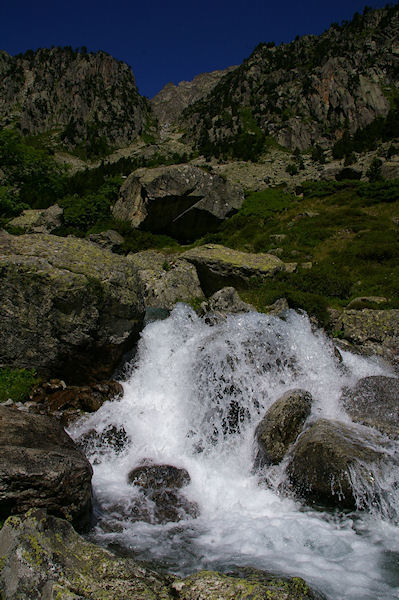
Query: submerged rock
(161, 501)
(374, 401)
(40, 466)
(43, 557)
(324, 458)
(183, 201)
(218, 266)
(67, 308)
(281, 425)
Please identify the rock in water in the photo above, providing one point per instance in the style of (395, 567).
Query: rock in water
(374, 401)
(179, 200)
(322, 460)
(281, 425)
(67, 307)
(40, 466)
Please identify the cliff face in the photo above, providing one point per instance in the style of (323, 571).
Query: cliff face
(170, 102)
(308, 91)
(79, 95)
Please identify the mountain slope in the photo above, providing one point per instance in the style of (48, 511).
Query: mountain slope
(309, 91)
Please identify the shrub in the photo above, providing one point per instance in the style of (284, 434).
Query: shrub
(16, 383)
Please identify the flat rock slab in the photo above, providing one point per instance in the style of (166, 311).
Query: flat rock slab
(40, 466)
(218, 266)
(179, 200)
(67, 307)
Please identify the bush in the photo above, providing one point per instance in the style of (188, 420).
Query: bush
(16, 383)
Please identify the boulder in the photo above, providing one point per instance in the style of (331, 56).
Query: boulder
(41, 467)
(225, 301)
(281, 425)
(166, 279)
(110, 239)
(43, 558)
(39, 220)
(372, 331)
(242, 584)
(323, 460)
(366, 302)
(67, 308)
(218, 266)
(160, 500)
(55, 398)
(374, 401)
(183, 201)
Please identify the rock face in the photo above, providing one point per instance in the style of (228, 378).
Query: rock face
(322, 459)
(225, 301)
(110, 240)
(67, 308)
(304, 92)
(39, 221)
(180, 200)
(44, 558)
(374, 401)
(281, 425)
(41, 467)
(374, 331)
(218, 266)
(166, 280)
(170, 102)
(88, 97)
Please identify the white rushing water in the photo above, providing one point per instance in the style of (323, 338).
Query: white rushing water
(193, 399)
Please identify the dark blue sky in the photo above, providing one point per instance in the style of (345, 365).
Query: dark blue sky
(168, 41)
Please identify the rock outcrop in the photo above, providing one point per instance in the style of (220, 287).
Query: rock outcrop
(183, 201)
(88, 97)
(281, 425)
(218, 266)
(166, 279)
(39, 221)
(374, 401)
(41, 467)
(68, 308)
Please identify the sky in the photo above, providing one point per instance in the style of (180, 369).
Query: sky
(171, 40)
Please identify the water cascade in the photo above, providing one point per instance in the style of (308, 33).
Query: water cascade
(193, 397)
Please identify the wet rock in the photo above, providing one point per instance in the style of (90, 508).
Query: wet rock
(161, 501)
(40, 466)
(281, 425)
(183, 201)
(243, 584)
(54, 397)
(111, 439)
(323, 458)
(159, 476)
(166, 279)
(374, 401)
(44, 558)
(67, 308)
(218, 266)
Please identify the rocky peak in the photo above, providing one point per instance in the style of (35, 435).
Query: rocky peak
(80, 96)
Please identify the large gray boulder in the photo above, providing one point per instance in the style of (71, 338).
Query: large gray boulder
(218, 266)
(166, 279)
(67, 307)
(183, 201)
(39, 220)
(41, 467)
(281, 425)
(324, 458)
(374, 401)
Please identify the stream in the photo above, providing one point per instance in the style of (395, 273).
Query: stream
(193, 396)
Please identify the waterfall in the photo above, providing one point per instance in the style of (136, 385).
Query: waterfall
(194, 395)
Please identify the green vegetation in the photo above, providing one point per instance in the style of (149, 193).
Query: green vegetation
(16, 383)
